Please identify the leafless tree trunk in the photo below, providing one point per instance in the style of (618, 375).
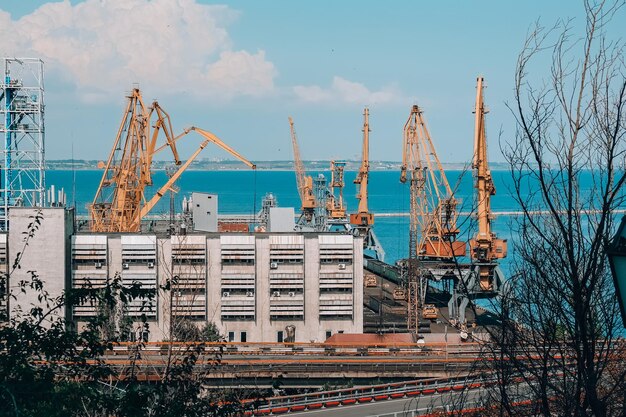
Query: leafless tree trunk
(560, 321)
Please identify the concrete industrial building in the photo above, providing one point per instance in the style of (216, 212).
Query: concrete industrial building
(253, 286)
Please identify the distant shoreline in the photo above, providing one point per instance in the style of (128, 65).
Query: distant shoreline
(313, 166)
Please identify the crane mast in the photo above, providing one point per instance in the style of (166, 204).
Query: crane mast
(433, 208)
(335, 204)
(363, 218)
(120, 202)
(304, 182)
(362, 221)
(485, 247)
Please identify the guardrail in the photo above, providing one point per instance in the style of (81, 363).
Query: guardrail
(361, 395)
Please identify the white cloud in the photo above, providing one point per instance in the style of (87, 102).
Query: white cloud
(167, 46)
(342, 90)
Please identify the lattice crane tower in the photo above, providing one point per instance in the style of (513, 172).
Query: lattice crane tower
(22, 180)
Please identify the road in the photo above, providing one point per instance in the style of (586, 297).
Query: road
(399, 407)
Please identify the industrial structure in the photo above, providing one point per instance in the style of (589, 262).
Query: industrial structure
(120, 202)
(22, 110)
(433, 216)
(277, 286)
(482, 278)
(363, 220)
(251, 285)
(436, 265)
(288, 280)
(323, 206)
(304, 183)
(433, 208)
(292, 298)
(485, 248)
(335, 204)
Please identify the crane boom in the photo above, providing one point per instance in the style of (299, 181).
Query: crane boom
(485, 247)
(209, 138)
(217, 141)
(164, 123)
(484, 183)
(363, 217)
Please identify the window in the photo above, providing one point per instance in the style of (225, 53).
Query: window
(340, 332)
(233, 262)
(231, 336)
(279, 337)
(328, 334)
(244, 337)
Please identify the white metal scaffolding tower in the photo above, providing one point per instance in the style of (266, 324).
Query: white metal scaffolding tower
(22, 179)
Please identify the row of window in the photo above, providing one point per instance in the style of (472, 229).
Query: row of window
(126, 264)
(189, 261)
(86, 261)
(283, 292)
(231, 261)
(286, 261)
(294, 317)
(330, 261)
(274, 263)
(280, 336)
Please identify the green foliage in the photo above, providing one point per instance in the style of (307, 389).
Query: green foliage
(185, 330)
(49, 367)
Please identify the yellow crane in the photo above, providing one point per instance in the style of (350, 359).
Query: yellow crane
(485, 248)
(335, 205)
(433, 208)
(433, 216)
(120, 202)
(363, 218)
(362, 221)
(303, 181)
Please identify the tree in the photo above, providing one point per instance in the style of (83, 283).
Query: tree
(50, 367)
(185, 330)
(559, 321)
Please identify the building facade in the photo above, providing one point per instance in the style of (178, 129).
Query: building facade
(255, 287)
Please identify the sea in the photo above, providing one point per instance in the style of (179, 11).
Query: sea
(242, 191)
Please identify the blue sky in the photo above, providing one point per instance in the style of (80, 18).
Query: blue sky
(240, 68)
